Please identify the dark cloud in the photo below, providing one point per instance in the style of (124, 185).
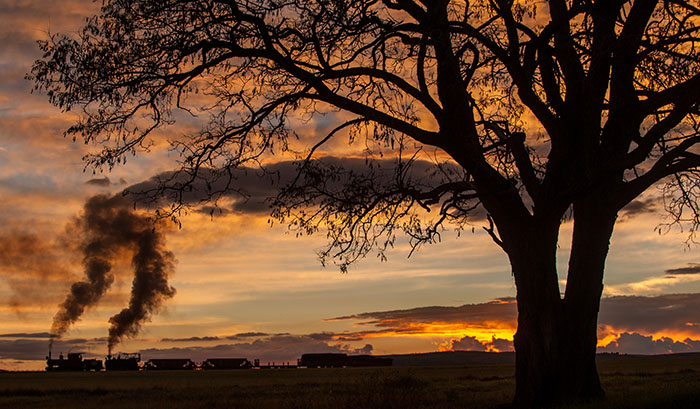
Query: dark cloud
(500, 312)
(634, 343)
(250, 190)
(235, 337)
(34, 349)
(640, 206)
(689, 269)
(213, 210)
(45, 335)
(322, 336)
(276, 348)
(191, 339)
(101, 182)
(357, 336)
(252, 334)
(670, 313)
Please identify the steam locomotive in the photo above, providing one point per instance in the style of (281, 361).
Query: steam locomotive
(123, 362)
(72, 362)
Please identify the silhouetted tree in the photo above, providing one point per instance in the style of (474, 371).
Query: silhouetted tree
(610, 89)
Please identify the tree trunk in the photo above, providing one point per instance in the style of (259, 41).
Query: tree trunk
(556, 338)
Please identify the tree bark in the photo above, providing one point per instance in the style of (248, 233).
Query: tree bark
(593, 226)
(533, 260)
(556, 338)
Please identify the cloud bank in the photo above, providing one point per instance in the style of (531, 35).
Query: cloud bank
(252, 190)
(499, 313)
(634, 343)
(670, 315)
(273, 348)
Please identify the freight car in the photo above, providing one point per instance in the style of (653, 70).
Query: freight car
(323, 360)
(368, 360)
(226, 363)
(123, 362)
(72, 362)
(169, 364)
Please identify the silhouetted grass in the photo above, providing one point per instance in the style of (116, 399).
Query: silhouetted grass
(642, 383)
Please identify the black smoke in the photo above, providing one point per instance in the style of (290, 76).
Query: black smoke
(152, 265)
(110, 230)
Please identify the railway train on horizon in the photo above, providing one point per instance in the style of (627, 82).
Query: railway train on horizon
(132, 362)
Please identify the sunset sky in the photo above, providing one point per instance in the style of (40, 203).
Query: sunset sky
(245, 288)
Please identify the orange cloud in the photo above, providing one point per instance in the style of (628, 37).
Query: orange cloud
(486, 324)
(472, 343)
(636, 343)
(671, 317)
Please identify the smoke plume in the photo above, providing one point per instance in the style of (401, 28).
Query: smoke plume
(110, 230)
(28, 259)
(152, 265)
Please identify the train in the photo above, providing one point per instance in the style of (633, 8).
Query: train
(72, 362)
(132, 362)
(123, 362)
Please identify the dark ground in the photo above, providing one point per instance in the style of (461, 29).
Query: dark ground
(671, 381)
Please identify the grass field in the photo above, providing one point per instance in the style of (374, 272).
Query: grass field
(670, 382)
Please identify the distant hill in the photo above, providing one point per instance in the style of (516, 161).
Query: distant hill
(451, 358)
(679, 355)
